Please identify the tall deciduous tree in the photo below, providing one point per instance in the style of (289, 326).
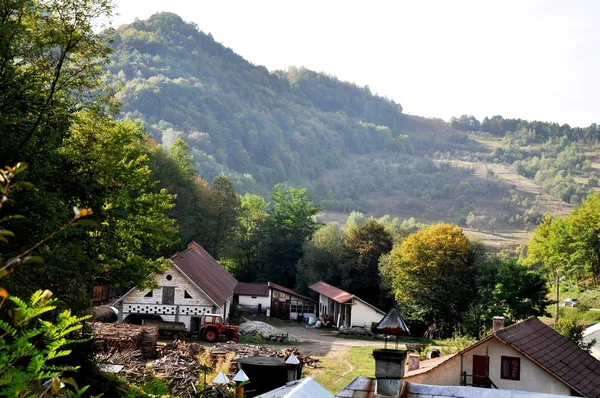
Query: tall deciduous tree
(248, 236)
(366, 243)
(322, 258)
(432, 274)
(291, 221)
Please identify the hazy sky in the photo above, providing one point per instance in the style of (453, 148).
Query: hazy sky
(526, 58)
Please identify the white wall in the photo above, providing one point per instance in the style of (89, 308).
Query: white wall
(323, 300)
(183, 309)
(532, 377)
(363, 315)
(249, 301)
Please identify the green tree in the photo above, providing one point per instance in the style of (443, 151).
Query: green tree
(433, 276)
(365, 244)
(248, 236)
(322, 258)
(290, 223)
(505, 288)
(224, 206)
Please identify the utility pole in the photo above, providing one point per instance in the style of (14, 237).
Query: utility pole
(557, 290)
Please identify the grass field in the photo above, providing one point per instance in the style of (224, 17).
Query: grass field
(340, 367)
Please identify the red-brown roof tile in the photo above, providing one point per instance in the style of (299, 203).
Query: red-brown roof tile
(205, 272)
(560, 356)
(252, 289)
(332, 292)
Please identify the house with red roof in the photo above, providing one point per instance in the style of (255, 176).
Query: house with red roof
(194, 284)
(527, 356)
(345, 309)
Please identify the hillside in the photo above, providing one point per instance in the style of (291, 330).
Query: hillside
(352, 149)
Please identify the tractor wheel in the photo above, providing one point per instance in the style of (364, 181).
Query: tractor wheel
(211, 335)
(235, 339)
(175, 336)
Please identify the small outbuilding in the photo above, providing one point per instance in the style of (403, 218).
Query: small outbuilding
(345, 309)
(281, 302)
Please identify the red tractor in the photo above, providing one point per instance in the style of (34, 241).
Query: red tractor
(212, 328)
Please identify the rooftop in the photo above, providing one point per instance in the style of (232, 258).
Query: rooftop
(252, 289)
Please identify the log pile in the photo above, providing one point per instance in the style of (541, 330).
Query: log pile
(249, 350)
(124, 337)
(177, 362)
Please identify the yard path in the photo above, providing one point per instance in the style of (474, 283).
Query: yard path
(321, 341)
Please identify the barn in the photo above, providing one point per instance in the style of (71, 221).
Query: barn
(194, 284)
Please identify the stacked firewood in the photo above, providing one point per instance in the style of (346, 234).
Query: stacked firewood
(249, 350)
(124, 337)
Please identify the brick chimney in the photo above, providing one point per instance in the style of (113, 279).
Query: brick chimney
(497, 323)
(389, 371)
(413, 361)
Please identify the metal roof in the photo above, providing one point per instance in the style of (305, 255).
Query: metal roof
(332, 292)
(252, 289)
(303, 388)
(289, 291)
(205, 272)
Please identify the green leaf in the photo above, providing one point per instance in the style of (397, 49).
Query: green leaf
(10, 218)
(6, 232)
(33, 260)
(24, 185)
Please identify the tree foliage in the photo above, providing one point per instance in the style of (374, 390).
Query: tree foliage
(433, 275)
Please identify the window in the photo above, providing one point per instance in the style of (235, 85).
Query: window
(511, 368)
(149, 294)
(168, 295)
(186, 295)
(169, 277)
(253, 297)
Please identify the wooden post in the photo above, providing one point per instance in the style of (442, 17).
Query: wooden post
(557, 290)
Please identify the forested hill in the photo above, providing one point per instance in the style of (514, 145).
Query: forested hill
(351, 149)
(259, 128)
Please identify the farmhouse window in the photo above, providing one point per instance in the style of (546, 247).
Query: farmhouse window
(511, 368)
(168, 295)
(186, 295)
(149, 294)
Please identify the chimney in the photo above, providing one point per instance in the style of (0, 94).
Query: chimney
(193, 245)
(497, 323)
(389, 371)
(413, 361)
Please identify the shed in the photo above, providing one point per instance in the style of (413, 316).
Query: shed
(345, 308)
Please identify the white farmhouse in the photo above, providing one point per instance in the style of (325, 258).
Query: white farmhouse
(345, 308)
(193, 285)
(526, 356)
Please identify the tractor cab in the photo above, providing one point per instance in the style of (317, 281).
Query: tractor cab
(212, 328)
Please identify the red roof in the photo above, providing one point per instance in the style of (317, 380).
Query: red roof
(555, 353)
(289, 291)
(332, 292)
(251, 289)
(205, 272)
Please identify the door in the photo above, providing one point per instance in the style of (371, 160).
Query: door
(195, 324)
(480, 371)
(168, 295)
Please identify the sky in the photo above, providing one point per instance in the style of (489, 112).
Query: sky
(532, 59)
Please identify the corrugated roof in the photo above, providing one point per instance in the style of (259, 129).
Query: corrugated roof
(289, 291)
(252, 289)
(205, 272)
(555, 353)
(332, 292)
(303, 388)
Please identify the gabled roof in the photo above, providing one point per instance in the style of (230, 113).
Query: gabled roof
(303, 388)
(558, 355)
(337, 294)
(332, 292)
(251, 289)
(553, 352)
(205, 272)
(289, 291)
